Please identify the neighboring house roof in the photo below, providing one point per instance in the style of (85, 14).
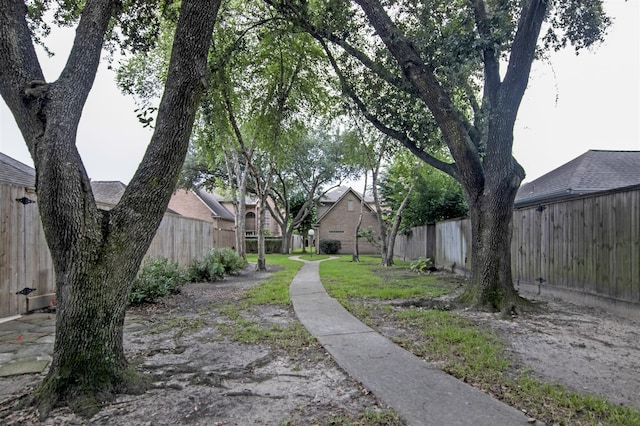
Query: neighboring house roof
(342, 191)
(16, 173)
(335, 194)
(595, 170)
(108, 192)
(226, 198)
(217, 209)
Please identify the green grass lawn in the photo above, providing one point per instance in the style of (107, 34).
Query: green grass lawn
(461, 348)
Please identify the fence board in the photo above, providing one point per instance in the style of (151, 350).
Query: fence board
(588, 245)
(453, 244)
(634, 247)
(25, 260)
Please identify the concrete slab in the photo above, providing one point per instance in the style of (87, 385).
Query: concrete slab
(15, 326)
(312, 312)
(421, 393)
(25, 366)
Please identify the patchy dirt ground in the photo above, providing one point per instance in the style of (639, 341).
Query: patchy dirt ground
(204, 378)
(585, 349)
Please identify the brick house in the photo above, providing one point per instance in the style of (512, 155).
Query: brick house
(214, 207)
(203, 205)
(338, 213)
(251, 215)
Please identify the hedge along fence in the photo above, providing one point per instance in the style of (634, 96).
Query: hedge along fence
(271, 245)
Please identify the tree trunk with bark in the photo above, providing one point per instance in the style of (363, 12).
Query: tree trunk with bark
(96, 254)
(389, 249)
(355, 257)
(490, 178)
(238, 177)
(261, 264)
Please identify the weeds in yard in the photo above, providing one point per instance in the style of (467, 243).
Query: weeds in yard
(272, 292)
(472, 354)
(366, 279)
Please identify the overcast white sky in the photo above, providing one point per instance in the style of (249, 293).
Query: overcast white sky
(573, 104)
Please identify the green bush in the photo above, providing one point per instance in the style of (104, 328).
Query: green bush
(271, 245)
(215, 265)
(157, 278)
(422, 264)
(330, 246)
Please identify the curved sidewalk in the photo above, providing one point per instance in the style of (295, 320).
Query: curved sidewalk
(419, 392)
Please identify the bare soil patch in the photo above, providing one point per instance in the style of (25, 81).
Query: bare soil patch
(203, 378)
(586, 349)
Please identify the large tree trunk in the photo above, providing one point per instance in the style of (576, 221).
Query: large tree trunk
(96, 254)
(490, 178)
(491, 283)
(88, 357)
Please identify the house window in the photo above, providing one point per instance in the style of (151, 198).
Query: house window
(350, 205)
(250, 224)
(266, 219)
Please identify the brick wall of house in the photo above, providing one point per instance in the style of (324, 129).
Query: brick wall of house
(340, 223)
(188, 204)
(272, 226)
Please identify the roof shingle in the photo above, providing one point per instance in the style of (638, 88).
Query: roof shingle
(16, 173)
(595, 170)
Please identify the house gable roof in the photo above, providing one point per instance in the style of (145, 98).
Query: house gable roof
(209, 199)
(595, 170)
(16, 173)
(108, 192)
(225, 197)
(341, 193)
(337, 193)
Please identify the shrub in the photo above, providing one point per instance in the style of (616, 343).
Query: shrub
(271, 245)
(157, 278)
(215, 264)
(330, 246)
(422, 264)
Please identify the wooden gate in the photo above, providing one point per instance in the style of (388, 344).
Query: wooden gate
(24, 256)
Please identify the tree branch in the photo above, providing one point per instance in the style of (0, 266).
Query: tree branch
(401, 137)
(155, 179)
(422, 76)
(489, 55)
(522, 55)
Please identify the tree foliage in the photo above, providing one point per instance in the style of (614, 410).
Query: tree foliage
(436, 196)
(428, 74)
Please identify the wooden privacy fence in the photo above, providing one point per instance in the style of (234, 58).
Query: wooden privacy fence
(586, 249)
(182, 240)
(25, 260)
(419, 242)
(24, 256)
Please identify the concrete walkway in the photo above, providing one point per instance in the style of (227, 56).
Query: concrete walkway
(421, 393)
